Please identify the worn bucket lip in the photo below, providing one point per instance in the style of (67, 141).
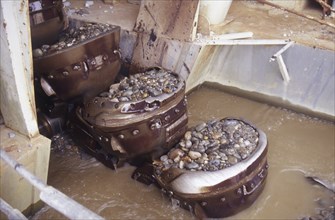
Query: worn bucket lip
(193, 182)
(114, 120)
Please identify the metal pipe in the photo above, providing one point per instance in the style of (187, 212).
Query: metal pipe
(66, 205)
(10, 212)
(50, 195)
(35, 181)
(232, 36)
(283, 68)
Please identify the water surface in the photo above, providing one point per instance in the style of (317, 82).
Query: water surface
(298, 145)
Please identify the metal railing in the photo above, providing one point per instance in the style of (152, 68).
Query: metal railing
(10, 212)
(51, 196)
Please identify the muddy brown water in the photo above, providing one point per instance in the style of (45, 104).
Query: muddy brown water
(298, 145)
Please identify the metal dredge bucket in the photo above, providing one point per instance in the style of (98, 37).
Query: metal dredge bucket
(139, 119)
(83, 62)
(220, 177)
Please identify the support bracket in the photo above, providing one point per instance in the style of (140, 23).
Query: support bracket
(278, 57)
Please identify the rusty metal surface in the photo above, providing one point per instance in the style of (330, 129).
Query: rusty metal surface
(174, 55)
(173, 19)
(83, 70)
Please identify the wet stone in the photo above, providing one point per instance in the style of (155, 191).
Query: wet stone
(200, 127)
(182, 144)
(212, 149)
(200, 149)
(37, 52)
(197, 135)
(215, 145)
(194, 155)
(175, 153)
(164, 158)
(73, 36)
(232, 160)
(181, 164)
(188, 144)
(188, 135)
(212, 155)
(143, 85)
(123, 99)
(192, 165)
